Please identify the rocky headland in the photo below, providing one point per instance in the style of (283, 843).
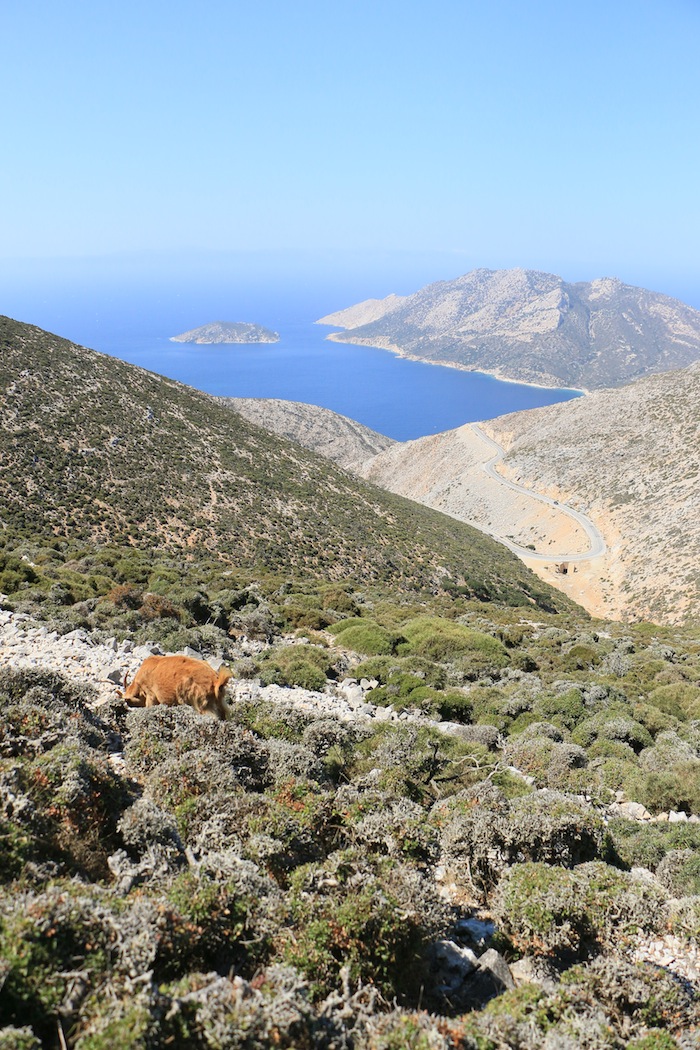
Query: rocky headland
(531, 327)
(328, 433)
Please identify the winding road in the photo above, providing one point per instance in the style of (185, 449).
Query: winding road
(595, 537)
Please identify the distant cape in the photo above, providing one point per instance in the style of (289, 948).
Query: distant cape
(227, 332)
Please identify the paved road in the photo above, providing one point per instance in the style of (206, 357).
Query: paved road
(595, 537)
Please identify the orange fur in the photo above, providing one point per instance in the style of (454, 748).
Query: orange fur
(174, 680)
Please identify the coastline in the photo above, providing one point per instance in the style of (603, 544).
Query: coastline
(495, 373)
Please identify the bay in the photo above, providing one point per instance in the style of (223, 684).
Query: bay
(398, 397)
(133, 317)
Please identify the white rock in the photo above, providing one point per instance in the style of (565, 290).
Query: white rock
(454, 961)
(677, 818)
(384, 714)
(634, 810)
(193, 653)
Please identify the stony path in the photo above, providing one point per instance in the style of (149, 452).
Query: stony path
(103, 666)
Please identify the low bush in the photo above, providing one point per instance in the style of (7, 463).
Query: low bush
(645, 845)
(565, 710)
(553, 910)
(364, 636)
(681, 699)
(607, 1003)
(679, 871)
(612, 726)
(552, 764)
(366, 932)
(446, 641)
(484, 834)
(305, 666)
(676, 788)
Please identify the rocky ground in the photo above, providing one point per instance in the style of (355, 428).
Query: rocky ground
(102, 666)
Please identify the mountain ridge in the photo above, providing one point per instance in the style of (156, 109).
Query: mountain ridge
(530, 326)
(330, 434)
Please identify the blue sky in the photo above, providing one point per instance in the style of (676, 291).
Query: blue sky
(427, 138)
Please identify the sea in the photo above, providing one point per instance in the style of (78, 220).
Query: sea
(134, 321)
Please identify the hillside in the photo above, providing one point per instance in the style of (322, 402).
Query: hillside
(333, 436)
(628, 458)
(532, 327)
(632, 457)
(227, 332)
(491, 827)
(97, 451)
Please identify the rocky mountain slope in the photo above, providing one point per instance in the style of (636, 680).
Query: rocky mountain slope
(95, 450)
(629, 458)
(334, 436)
(227, 332)
(533, 327)
(637, 471)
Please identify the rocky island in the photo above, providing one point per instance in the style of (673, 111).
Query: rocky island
(227, 332)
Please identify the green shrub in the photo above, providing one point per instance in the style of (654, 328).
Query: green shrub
(42, 944)
(675, 788)
(580, 658)
(444, 640)
(15, 573)
(305, 666)
(483, 834)
(17, 846)
(606, 1003)
(566, 710)
(366, 931)
(682, 700)
(554, 910)
(421, 763)
(645, 845)
(684, 918)
(342, 625)
(679, 871)
(612, 726)
(365, 636)
(552, 764)
(339, 600)
(388, 670)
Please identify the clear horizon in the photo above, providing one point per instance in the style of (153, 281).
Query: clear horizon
(377, 146)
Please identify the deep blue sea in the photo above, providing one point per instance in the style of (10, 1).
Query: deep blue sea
(400, 398)
(404, 399)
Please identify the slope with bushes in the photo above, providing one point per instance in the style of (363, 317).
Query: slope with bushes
(96, 450)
